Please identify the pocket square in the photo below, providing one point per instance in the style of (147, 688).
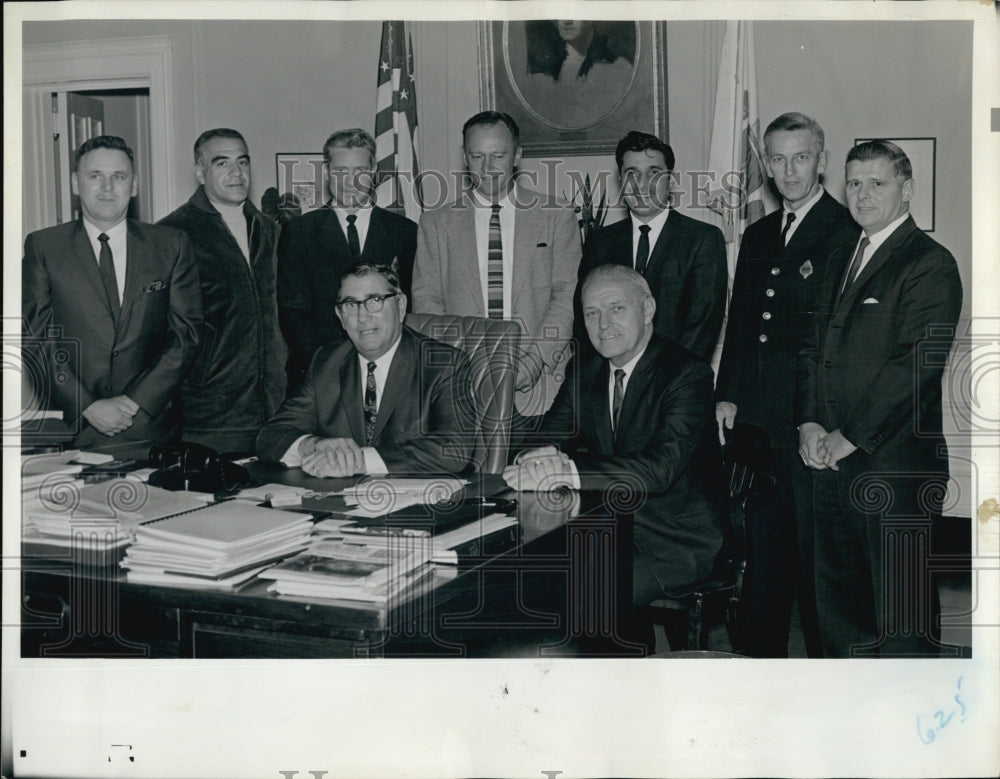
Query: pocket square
(868, 300)
(542, 245)
(156, 286)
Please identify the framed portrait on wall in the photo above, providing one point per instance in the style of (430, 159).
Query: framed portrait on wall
(575, 87)
(301, 174)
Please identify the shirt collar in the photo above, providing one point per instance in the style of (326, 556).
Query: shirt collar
(114, 234)
(874, 241)
(655, 223)
(342, 213)
(628, 367)
(480, 202)
(383, 362)
(801, 211)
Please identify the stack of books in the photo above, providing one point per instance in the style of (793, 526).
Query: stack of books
(220, 546)
(371, 569)
(93, 522)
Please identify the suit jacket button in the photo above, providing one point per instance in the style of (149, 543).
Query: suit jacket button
(107, 388)
(775, 271)
(827, 363)
(114, 353)
(766, 315)
(769, 293)
(762, 338)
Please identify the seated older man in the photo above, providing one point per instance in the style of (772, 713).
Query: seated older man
(386, 400)
(639, 411)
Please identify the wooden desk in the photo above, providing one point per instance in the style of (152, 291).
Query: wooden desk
(541, 597)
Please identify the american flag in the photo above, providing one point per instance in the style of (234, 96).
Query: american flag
(397, 165)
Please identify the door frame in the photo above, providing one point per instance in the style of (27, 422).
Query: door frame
(113, 63)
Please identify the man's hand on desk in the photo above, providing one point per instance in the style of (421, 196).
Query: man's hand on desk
(541, 469)
(111, 416)
(331, 457)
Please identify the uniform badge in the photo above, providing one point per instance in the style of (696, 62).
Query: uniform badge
(806, 269)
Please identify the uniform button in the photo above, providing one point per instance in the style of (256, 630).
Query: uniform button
(766, 315)
(769, 293)
(775, 271)
(762, 338)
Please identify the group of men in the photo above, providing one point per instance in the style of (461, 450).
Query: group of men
(217, 326)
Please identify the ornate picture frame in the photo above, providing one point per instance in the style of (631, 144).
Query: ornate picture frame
(302, 174)
(575, 107)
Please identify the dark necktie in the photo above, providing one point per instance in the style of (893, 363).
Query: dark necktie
(784, 230)
(642, 252)
(855, 264)
(494, 267)
(107, 264)
(371, 404)
(352, 237)
(618, 397)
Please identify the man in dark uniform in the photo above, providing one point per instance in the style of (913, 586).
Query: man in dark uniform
(778, 273)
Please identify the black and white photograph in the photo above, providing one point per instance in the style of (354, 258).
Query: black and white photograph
(423, 390)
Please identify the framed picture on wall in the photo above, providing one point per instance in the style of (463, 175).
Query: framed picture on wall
(575, 87)
(301, 174)
(922, 153)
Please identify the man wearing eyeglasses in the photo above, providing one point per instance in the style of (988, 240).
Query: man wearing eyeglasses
(387, 400)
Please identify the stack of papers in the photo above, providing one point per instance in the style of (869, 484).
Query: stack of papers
(103, 516)
(216, 547)
(372, 571)
(377, 497)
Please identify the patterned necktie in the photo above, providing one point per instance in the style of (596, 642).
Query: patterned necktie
(352, 237)
(855, 264)
(642, 252)
(371, 404)
(494, 267)
(617, 398)
(106, 262)
(784, 230)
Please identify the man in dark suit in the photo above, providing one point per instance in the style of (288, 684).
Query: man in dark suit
(238, 380)
(778, 277)
(682, 259)
(316, 248)
(870, 422)
(125, 296)
(639, 412)
(386, 400)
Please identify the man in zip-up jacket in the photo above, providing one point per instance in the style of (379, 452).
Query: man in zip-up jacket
(238, 380)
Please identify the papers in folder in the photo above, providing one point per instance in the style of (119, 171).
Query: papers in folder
(377, 497)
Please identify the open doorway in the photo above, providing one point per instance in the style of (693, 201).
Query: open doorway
(82, 114)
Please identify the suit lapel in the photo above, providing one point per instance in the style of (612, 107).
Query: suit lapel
(465, 257)
(332, 239)
(633, 392)
(527, 225)
(623, 245)
(601, 405)
(350, 393)
(88, 263)
(658, 252)
(377, 241)
(881, 256)
(135, 258)
(399, 381)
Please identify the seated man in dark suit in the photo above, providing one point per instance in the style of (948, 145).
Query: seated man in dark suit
(682, 259)
(124, 296)
(639, 411)
(316, 248)
(386, 400)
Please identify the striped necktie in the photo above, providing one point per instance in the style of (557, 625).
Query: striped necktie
(617, 398)
(106, 262)
(494, 267)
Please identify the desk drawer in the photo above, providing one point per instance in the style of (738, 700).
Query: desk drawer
(206, 634)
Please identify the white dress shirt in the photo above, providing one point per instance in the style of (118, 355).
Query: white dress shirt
(117, 242)
(484, 212)
(656, 225)
(364, 218)
(875, 241)
(374, 464)
(629, 368)
(800, 214)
